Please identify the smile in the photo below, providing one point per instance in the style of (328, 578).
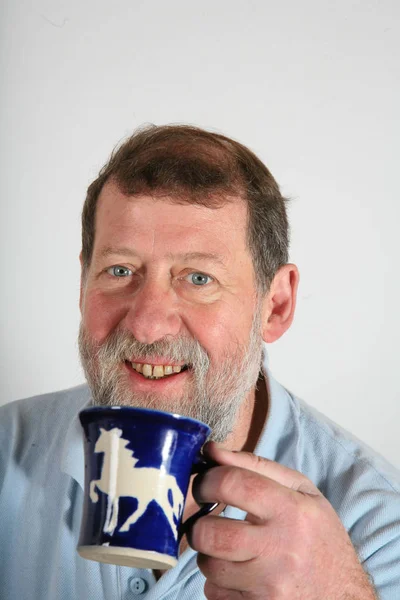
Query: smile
(157, 371)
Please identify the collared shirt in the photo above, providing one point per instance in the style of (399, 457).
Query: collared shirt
(41, 497)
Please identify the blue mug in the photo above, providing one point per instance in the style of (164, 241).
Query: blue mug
(138, 464)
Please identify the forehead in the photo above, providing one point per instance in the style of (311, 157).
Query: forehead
(158, 225)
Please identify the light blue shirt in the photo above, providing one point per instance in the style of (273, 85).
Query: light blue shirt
(41, 483)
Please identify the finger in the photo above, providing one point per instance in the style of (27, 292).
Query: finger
(226, 539)
(249, 491)
(287, 477)
(228, 575)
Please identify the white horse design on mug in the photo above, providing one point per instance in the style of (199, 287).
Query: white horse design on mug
(121, 477)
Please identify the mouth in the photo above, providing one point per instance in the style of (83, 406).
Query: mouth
(156, 371)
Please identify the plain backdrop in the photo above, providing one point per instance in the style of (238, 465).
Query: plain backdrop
(312, 87)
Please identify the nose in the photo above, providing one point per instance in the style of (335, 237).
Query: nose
(153, 313)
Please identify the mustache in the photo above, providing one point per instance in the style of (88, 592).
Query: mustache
(121, 345)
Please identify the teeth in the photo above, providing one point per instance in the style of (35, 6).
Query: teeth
(157, 371)
(147, 370)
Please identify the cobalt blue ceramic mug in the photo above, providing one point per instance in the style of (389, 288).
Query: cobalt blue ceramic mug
(138, 464)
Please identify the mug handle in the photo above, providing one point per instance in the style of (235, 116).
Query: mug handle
(201, 466)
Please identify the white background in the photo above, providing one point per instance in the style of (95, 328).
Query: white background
(311, 86)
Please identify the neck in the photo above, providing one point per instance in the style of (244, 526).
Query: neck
(250, 420)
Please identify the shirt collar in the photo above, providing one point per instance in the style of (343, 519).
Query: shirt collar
(279, 425)
(281, 415)
(72, 455)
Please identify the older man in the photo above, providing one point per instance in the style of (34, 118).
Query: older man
(185, 277)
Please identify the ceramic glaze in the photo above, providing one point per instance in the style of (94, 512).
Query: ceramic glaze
(138, 464)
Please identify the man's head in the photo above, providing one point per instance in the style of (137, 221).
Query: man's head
(185, 245)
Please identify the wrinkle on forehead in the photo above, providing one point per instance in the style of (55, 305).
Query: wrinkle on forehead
(153, 243)
(131, 218)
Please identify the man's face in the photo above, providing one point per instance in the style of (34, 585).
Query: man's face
(171, 286)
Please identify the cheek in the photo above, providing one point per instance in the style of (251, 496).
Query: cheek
(101, 315)
(221, 332)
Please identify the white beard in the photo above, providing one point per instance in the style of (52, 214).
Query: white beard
(213, 394)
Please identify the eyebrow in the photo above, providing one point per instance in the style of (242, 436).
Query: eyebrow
(186, 256)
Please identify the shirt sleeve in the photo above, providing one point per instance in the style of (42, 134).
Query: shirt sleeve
(370, 510)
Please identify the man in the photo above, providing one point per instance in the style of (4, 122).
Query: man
(185, 278)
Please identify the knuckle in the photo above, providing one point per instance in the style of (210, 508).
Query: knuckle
(223, 538)
(293, 561)
(308, 515)
(199, 535)
(256, 463)
(229, 480)
(211, 568)
(259, 462)
(303, 523)
(300, 518)
(234, 478)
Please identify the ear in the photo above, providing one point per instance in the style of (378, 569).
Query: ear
(280, 303)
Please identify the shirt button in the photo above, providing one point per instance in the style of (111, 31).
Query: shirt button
(137, 585)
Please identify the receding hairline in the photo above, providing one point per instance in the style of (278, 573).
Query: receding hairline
(213, 199)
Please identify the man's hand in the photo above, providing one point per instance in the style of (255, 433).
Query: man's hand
(292, 545)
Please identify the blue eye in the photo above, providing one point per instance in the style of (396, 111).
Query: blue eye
(119, 271)
(200, 279)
